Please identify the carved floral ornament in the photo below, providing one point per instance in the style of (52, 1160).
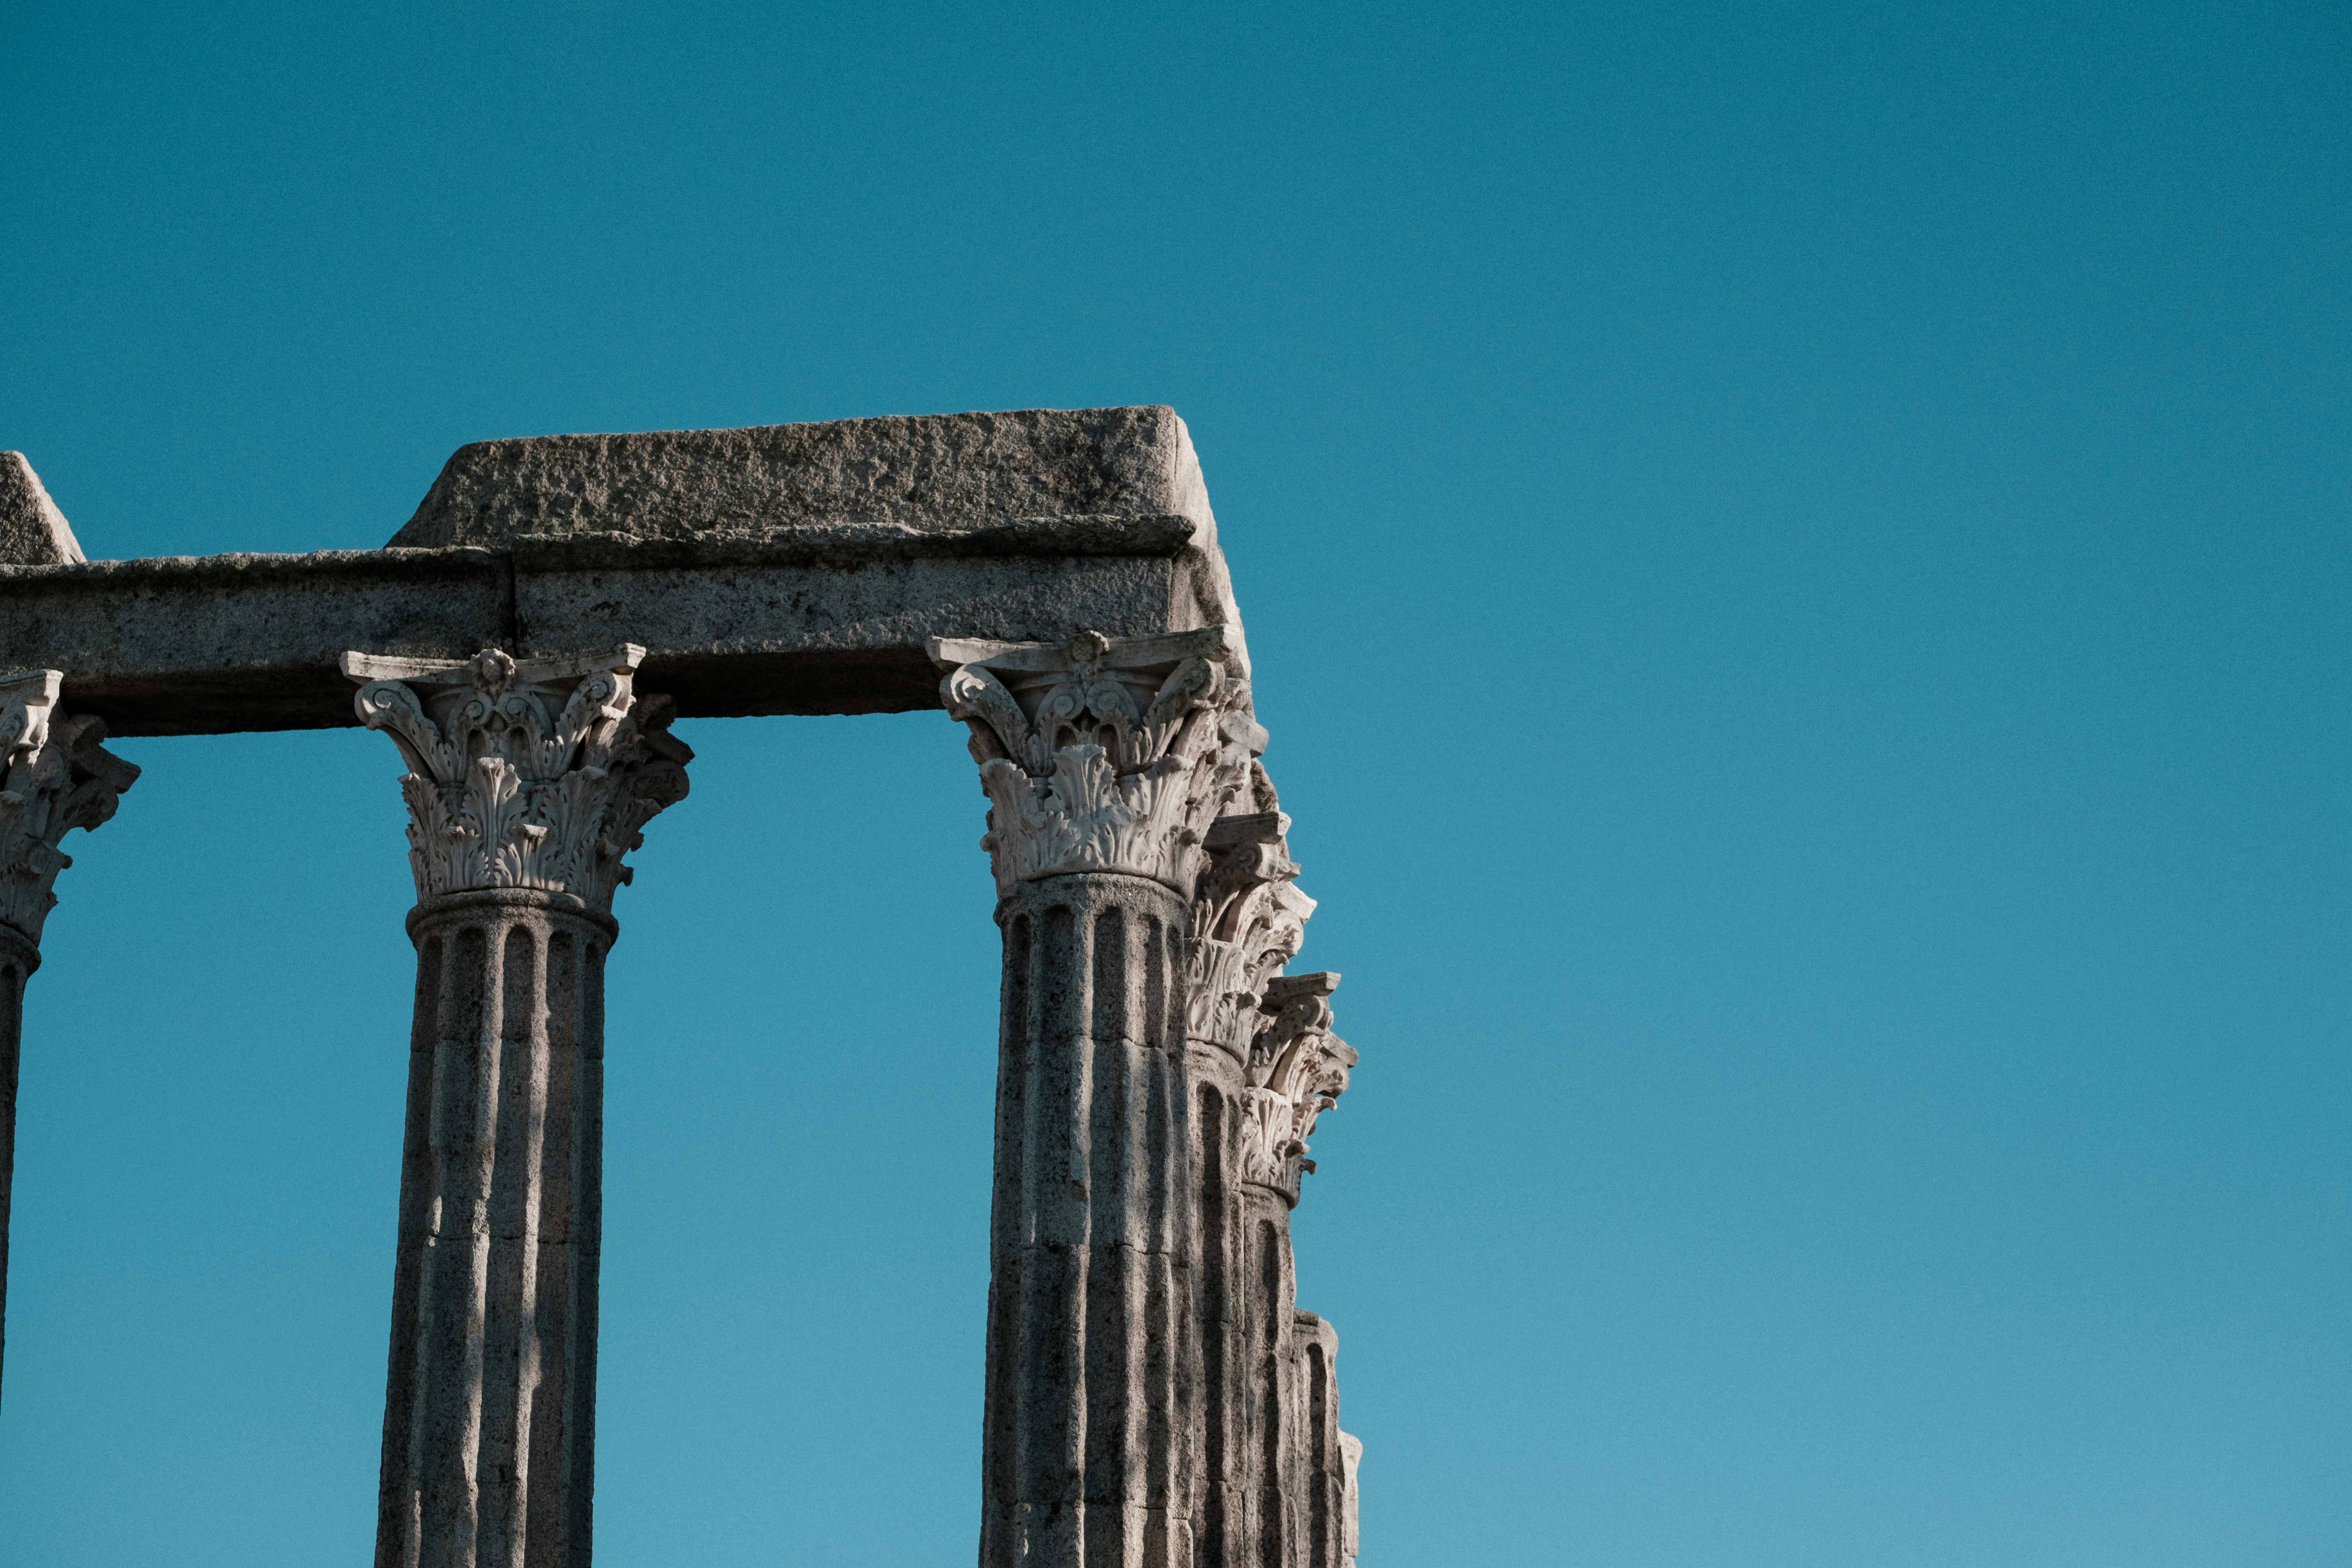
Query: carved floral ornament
(1248, 921)
(537, 773)
(1298, 1070)
(1102, 755)
(53, 776)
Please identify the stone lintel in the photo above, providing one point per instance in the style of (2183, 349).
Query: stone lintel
(210, 645)
(785, 569)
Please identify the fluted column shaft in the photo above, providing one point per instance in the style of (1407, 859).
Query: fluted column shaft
(528, 781)
(1086, 1460)
(489, 1410)
(1222, 1509)
(1269, 1448)
(1322, 1464)
(1105, 763)
(19, 959)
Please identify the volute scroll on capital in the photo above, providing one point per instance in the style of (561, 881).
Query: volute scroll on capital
(1248, 920)
(53, 776)
(1298, 1069)
(534, 775)
(1102, 755)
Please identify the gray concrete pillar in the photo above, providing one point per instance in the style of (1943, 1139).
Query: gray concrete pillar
(53, 776)
(527, 782)
(1105, 764)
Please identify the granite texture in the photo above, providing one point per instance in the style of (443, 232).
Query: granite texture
(946, 473)
(756, 585)
(33, 532)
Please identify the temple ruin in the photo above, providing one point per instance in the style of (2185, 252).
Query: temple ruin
(1153, 1394)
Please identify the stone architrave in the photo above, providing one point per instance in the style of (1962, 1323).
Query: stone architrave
(54, 777)
(528, 781)
(1104, 763)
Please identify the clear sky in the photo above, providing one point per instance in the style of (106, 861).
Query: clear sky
(1796, 559)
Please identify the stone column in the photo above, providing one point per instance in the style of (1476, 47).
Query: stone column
(1351, 1456)
(1248, 919)
(53, 776)
(1297, 1069)
(528, 781)
(1322, 1464)
(1104, 763)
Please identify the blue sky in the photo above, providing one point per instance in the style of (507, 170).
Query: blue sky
(1797, 568)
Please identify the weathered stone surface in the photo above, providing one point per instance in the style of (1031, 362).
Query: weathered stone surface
(54, 777)
(1298, 1069)
(790, 569)
(1262, 1063)
(1351, 1456)
(33, 532)
(535, 775)
(1089, 1438)
(212, 644)
(19, 959)
(490, 1386)
(1102, 755)
(946, 473)
(1153, 1397)
(1322, 1484)
(1247, 920)
(529, 780)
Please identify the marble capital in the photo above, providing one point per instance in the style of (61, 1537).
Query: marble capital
(1297, 1069)
(1248, 921)
(53, 776)
(1099, 754)
(535, 774)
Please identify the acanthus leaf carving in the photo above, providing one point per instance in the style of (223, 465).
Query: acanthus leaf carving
(1098, 755)
(536, 774)
(1297, 1069)
(54, 776)
(1248, 921)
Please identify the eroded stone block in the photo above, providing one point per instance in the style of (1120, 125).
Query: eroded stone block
(33, 532)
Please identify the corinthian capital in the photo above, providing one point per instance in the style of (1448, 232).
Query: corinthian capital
(1298, 1070)
(1248, 920)
(1102, 755)
(533, 774)
(54, 775)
